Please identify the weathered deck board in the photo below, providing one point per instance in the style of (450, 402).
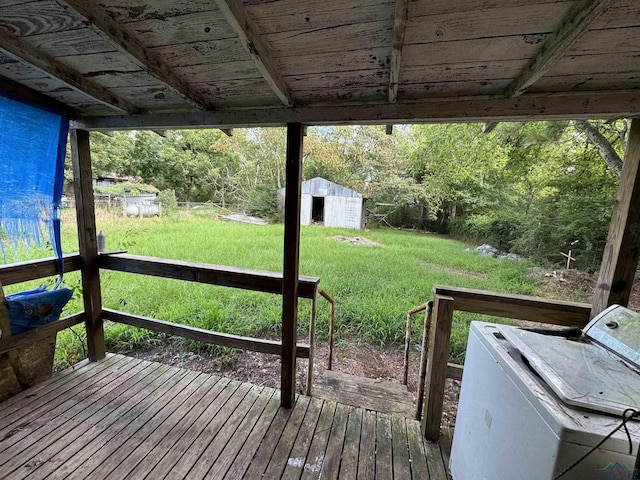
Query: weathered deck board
(378, 395)
(126, 418)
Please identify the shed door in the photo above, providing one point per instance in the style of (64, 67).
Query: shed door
(317, 210)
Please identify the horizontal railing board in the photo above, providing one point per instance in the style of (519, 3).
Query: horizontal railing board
(519, 307)
(19, 272)
(257, 280)
(14, 341)
(201, 335)
(454, 371)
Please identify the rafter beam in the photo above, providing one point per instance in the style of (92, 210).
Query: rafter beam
(574, 24)
(565, 106)
(249, 36)
(107, 28)
(47, 64)
(399, 27)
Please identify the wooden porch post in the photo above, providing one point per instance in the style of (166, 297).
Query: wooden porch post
(437, 366)
(86, 219)
(621, 253)
(291, 263)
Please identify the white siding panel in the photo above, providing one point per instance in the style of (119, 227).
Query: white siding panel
(305, 210)
(343, 212)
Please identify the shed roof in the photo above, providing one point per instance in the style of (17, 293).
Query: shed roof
(177, 63)
(320, 187)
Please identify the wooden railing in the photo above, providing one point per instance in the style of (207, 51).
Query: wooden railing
(33, 270)
(248, 279)
(256, 280)
(518, 307)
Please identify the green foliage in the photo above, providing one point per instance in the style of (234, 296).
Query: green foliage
(263, 202)
(534, 188)
(169, 203)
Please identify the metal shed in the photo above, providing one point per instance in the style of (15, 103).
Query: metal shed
(330, 204)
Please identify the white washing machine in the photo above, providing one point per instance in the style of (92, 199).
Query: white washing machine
(532, 404)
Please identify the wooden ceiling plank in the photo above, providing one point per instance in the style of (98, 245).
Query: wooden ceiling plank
(102, 24)
(399, 28)
(238, 19)
(19, 92)
(575, 23)
(15, 46)
(566, 106)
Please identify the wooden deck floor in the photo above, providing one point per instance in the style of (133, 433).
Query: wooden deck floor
(126, 418)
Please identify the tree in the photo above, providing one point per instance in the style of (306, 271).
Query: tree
(606, 146)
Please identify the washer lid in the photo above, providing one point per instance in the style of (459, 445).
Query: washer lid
(582, 374)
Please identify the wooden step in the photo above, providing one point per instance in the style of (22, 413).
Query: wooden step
(376, 395)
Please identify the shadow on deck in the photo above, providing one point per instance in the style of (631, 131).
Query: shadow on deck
(127, 418)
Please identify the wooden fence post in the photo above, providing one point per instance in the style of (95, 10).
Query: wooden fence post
(87, 243)
(437, 366)
(291, 263)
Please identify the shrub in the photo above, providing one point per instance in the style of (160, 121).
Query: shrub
(263, 202)
(168, 202)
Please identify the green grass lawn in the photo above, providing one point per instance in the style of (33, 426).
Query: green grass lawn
(373, 286)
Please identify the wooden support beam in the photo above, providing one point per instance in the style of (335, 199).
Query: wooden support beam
(160, 133)
(399, 27)
(292, 202)
(227, 131)
(488, 127)
(248, 34)
(437, 366)
(561, 106)
(389, 130)
(88, 245)
(112, 31)
(621, 253)
(574, 24)
(47, 64)
(109, 133)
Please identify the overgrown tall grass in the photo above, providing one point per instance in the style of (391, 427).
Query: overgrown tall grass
(373, 286)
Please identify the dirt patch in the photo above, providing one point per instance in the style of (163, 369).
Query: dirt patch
(574, 285)
(456, 271)
(356, 241)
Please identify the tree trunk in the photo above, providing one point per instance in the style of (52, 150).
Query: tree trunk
(607, 152)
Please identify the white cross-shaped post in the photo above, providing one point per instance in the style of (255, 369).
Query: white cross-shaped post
(569, 258)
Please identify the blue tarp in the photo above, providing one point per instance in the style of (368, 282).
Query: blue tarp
(32, 151)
